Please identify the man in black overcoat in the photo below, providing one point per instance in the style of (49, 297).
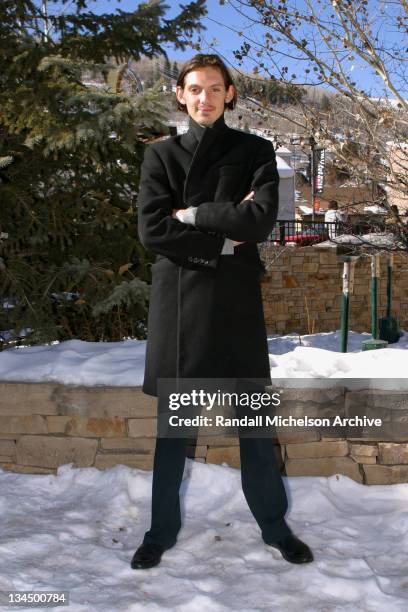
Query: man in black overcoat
(206, 199)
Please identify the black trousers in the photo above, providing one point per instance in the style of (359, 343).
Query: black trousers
(261, 483)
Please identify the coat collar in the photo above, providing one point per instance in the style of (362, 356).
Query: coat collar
(196, 132)
(204, 146)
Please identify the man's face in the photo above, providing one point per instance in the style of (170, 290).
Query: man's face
(204, 94)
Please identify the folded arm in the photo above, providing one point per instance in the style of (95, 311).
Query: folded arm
(248, 220)
(159, 231)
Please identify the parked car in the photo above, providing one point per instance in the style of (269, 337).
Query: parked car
(309, 235)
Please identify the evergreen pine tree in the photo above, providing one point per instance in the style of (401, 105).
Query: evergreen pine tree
(71, 265)
(167, 72)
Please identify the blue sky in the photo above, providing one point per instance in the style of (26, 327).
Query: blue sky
(220, 23)
(227, 40)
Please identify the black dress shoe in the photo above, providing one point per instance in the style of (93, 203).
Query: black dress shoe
(146, 556)
(293, 549)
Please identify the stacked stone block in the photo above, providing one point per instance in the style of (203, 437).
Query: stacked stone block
(310, 279)
(46, 425)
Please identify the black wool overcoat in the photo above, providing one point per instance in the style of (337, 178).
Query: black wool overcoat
(206, 317)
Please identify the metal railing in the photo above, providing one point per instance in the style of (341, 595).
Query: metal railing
(306, 233)
(303, 233)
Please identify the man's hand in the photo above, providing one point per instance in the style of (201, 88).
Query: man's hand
(175, 211)
(249, 196)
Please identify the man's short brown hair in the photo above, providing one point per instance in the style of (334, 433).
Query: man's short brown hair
(202, 60)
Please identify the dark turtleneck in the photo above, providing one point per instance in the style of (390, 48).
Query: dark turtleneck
(198, 130)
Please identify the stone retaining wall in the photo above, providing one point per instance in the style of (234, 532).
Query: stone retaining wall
(310, 279)
(45, 425)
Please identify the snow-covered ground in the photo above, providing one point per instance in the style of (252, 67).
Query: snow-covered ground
(77, 532)
(122, 363)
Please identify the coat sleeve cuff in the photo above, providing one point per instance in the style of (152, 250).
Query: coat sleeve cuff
(187, 215)
(228, 248)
